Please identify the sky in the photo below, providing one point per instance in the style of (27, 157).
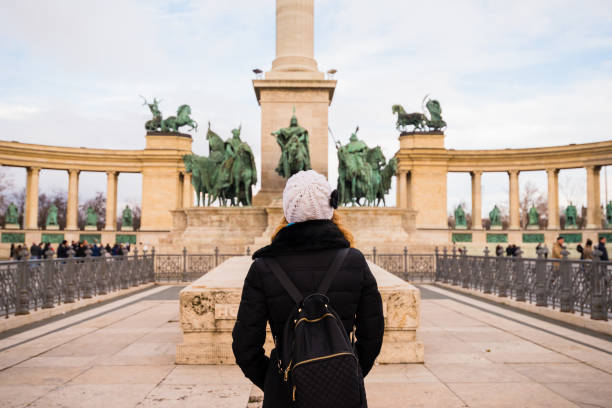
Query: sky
(507, 74)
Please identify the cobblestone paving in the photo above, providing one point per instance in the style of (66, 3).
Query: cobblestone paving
(476, 355)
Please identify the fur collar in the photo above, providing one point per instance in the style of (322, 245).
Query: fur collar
(315, 235)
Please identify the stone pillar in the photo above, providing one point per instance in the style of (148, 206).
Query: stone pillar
(476, 199)
(187, 191)
(111, 200)
(294, 36)
(31, 204)
(553, 198)
(514, 200)
(593, 197)
(73, 199)
(402, 190)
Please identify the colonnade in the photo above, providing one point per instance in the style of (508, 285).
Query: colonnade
(593, 198)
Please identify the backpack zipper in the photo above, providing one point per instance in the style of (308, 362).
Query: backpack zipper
(304, 319)
(294, 393)
(321, 358)
(287, 371)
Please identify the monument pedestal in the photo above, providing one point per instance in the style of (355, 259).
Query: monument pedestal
(496, 227)
(127, 228)
(91, 228)
(11, 226)
(533, 227)
(209, 306)
(52, 227)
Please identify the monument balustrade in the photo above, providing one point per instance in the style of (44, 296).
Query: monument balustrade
(31, 284)
(569, 285)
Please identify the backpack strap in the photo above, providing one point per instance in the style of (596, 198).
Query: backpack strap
(333, 269)
(284, 280)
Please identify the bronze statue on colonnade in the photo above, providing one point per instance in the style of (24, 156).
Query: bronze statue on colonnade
(419, 120)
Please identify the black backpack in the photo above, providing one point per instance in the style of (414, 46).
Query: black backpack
(317, 361)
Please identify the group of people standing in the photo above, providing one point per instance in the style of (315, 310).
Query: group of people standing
(586, 252)
(41, 251)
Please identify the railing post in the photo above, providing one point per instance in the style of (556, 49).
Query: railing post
(487, 282)
(455, 272)
(248, 251)
(541, 284)
(102, 273)
(88, 271)
(501, 274)
(599, 309)
(152, 265)
(445, 268)
(184, 264)
(519, 275)
(49, 290)
(70, 276)
(216, 256)
(465, 272)
(374, 255)
(23, 294)
(437, 260)
(405, 263)
(567, 301)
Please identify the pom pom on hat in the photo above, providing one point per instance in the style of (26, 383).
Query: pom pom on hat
(307, 197)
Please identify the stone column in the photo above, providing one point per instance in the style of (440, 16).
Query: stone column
(476, 199)
(31, 204)
(73, 199)
(553, 198)
(187, 191)
(111, 200)
(593, 197)
(402, 190)
(514, 199)
(294, 36)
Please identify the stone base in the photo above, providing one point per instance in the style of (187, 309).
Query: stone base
(571, 227)
(11, 226)
(496, 227)
(533, 227)
(127, 228)
(460, 227)
(208, 309)
(52, 227)
(233, 229)
(608, 226)
(91, 228)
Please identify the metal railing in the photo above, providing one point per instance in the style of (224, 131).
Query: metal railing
(567, 284)
(31, 284)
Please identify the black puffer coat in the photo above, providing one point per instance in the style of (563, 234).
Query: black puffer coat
(305, 251)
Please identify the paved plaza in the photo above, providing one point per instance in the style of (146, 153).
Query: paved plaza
(121, 354)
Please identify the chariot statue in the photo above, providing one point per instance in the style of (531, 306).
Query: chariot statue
(171, 123)
(227, 174)
(571, 216)
(495, 217)
(460, 220)
(126, 217)
(419, 120)
(91, 219)
(12, 214)
(52, 216)
(295, 151)
(363, 173)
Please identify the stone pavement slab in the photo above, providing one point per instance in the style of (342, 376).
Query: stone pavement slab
(476, 355)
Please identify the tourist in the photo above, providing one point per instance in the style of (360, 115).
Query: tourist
(12, 251)
(305, 243)
(602, 248)
(35, 251)
(509, 250)
(558, 248)
(499, 250)
(108, 248)
(18, 255)
(62, 249)
(95, 249)
(80, 252)
(587, 251)
(46, 248)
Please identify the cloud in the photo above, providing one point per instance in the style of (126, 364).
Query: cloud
(509, 74)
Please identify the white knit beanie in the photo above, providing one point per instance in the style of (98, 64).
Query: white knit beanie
(306, 197)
